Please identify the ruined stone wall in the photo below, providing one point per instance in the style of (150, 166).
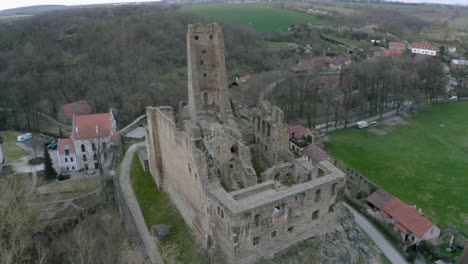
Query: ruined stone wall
(181, 168)
(274, 222)
(207, 80)
(271, 133)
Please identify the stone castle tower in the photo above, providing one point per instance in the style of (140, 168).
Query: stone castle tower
(207, 81)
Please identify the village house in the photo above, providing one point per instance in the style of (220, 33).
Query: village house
(397, 46)
(424, 49)
(299, 137)
(241, 80)
(411, 223)
(67, 111)
(388, 53)
(314, 154)
(451, 49)
(459, 63)
(89, 142)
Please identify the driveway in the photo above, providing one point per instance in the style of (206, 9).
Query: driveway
(148, 240)
(390, 252)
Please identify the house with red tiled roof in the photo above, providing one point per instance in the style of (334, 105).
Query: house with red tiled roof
(299, 137)
(411, 223)
(67, 154)
(89, 142)
(424, 49)
(397, 46)
(388, 53)
(315, 155)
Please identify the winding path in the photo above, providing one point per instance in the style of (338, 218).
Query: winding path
(148, 240)
(390, 252)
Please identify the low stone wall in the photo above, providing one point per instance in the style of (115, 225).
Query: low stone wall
(137, 123)
(355, 181)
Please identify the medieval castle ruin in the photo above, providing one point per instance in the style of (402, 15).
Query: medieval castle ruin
(207, 157)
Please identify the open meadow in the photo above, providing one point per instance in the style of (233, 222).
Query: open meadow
(262, 17)
(424, 163)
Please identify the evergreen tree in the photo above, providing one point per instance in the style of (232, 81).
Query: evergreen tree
(49, 170)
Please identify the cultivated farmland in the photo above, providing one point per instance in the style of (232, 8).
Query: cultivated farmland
(424, 163)
(262, 17)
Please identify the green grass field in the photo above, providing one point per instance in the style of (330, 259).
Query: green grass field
(157, 208)
(262, 17)
(401, 7)
(10, 150)
(424, 163)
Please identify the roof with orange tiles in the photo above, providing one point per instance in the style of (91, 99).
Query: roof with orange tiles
(92, 126)
(316, 154)
(76, 108)
(397, 44)
(408, 216)
(427, 46)
(298, 131)
(64, 144)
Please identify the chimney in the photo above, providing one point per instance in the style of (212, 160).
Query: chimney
(76, 129)
(97, 130)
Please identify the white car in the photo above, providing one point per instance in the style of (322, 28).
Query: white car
(362, 124)
(24, 137)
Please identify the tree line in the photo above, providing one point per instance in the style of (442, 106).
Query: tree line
(363, 89)
(124, 58)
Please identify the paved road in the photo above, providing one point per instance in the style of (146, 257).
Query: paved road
(370, 119)
(392, 254)
(148, 240)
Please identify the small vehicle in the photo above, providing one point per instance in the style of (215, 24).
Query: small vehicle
(24, 137)
(52, 146)
(362, 124)
(453, 99)
(373, 123)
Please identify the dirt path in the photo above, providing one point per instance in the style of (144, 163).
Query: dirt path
(148, 240)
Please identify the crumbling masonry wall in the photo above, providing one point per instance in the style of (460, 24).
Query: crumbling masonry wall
(178, 167)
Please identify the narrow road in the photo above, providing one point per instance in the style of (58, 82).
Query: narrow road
(148, 240)
(390, 252)
(370, 119)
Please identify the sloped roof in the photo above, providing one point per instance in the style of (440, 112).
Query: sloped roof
(242, 80)
(76, 108)
(397, 44)
(388, 52)
(298, 131)
(316, 154)
(318, 63)
(402, 228)
(417, 45)
(66, 143)
(379, 198)
(92, 126)
(408, 216)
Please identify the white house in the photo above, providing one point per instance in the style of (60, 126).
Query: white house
(451, 49)
(90, 140)
(424, 48)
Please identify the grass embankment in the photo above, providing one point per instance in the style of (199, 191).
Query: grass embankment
(10, 150)
(263, 17)
(424, 163)
(157, 208)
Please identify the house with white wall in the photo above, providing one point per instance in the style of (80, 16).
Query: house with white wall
(424, 49)
(88, 145)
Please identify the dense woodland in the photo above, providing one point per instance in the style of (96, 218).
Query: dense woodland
(123, 58)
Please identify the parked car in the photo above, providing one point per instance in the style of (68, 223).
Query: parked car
(362, 124)
(373, 123)
(453, 99)
(24, 137)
